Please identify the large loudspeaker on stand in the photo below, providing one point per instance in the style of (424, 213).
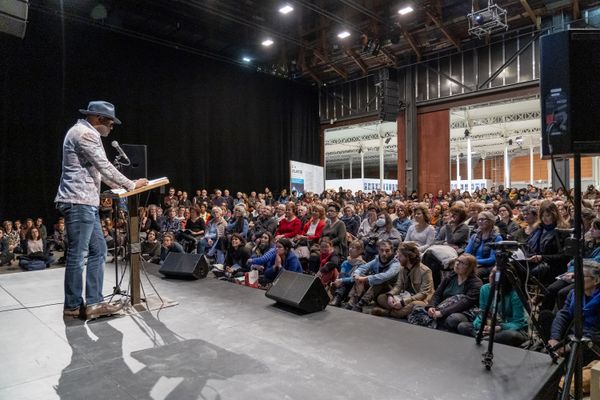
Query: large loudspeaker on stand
(184, 266)
(569, 98)
(303, 292)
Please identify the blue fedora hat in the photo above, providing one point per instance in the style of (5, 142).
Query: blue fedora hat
(101, 108)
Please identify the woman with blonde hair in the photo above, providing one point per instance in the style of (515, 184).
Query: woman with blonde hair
(421, 232)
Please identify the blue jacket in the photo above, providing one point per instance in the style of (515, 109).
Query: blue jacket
(346, 270)
(291, 263)
(379, 273)
(486, 256)
(594, 256)
(402, 225)
(591, 317)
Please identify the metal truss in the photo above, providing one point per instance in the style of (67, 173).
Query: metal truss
(497, 120)
(495, 135)
(361, 138)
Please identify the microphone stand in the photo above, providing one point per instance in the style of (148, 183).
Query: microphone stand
(117, 288)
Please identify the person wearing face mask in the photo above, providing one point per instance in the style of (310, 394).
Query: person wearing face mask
(84, 167)
(383, 230)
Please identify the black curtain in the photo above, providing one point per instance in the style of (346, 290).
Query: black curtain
(207, 124)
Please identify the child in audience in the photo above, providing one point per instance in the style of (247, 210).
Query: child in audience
(344, 282)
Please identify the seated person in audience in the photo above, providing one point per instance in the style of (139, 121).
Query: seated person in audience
(473, 211)
(421, 232)
(403, 221)
(169, 245)
(238, 223)
(170, 200)
(59, 236)
(39, 223)
(13, 237)
(265, 243)
(414, 286)
(204, 214)
(144, 219)
(560, 288)
(279, 212)
(545, 245)
(109, 239)
(153, 223)
(329, 262)
(281, 257)
(344, 282)
(313, 228)
(303, 214)
(335, 230)
(511, 324)
(456, 232)
(181, 216)
(6, 256)
(383, 230)
(214, 237)
(530, 221)
(351, 221)
(35, 246)
(236, 257)
(368, 223)
(264, 223)
(506, 226)
(184, 200)
(562, 323)
(290, 226)
(151, 248)
(170, 223)
(374, 278)
(457, 293)
(479, 244)
(194, 229)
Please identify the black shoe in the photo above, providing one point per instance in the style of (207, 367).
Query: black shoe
(337, 301)
(357, 308)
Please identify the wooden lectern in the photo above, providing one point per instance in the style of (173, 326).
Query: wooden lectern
(135, 248)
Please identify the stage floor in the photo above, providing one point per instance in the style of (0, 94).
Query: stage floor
(225, 341)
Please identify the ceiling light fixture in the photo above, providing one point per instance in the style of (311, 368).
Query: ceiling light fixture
(267, 42)
(405, 10)
(343, 34)
(286, 9)
(246, 59)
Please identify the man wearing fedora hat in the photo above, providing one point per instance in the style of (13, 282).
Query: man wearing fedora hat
(84, 167)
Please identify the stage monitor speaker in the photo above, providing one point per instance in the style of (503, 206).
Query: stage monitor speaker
(137, 155)
(185, 266)
(304, 292)
(13, 17)
(570, 92)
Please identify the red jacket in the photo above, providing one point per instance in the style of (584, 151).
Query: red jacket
(318, 231)
(289, 229)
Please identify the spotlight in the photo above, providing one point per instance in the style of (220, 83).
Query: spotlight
(343, 35)
(388, 140)
(479, 19)
(519, 140)
(467, 133)
(405, 10)
(286, 9)
(510, 142)
(267, 42)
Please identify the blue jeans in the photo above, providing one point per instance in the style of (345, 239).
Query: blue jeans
(84, 235)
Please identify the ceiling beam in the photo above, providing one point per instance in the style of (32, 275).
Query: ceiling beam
(440, 24)
(530, 12)
(576, 10)
(389, 55)
(339, 70)
(358, 60)
(311, 73)
(411, 41)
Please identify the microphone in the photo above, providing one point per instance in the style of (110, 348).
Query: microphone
(122, 154)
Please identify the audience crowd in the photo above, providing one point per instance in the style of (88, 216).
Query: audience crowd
(422, 259)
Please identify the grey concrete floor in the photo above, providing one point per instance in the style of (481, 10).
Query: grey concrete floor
(225, 341)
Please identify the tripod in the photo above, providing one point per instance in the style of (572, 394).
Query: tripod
(575, 363)
(504, 272)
